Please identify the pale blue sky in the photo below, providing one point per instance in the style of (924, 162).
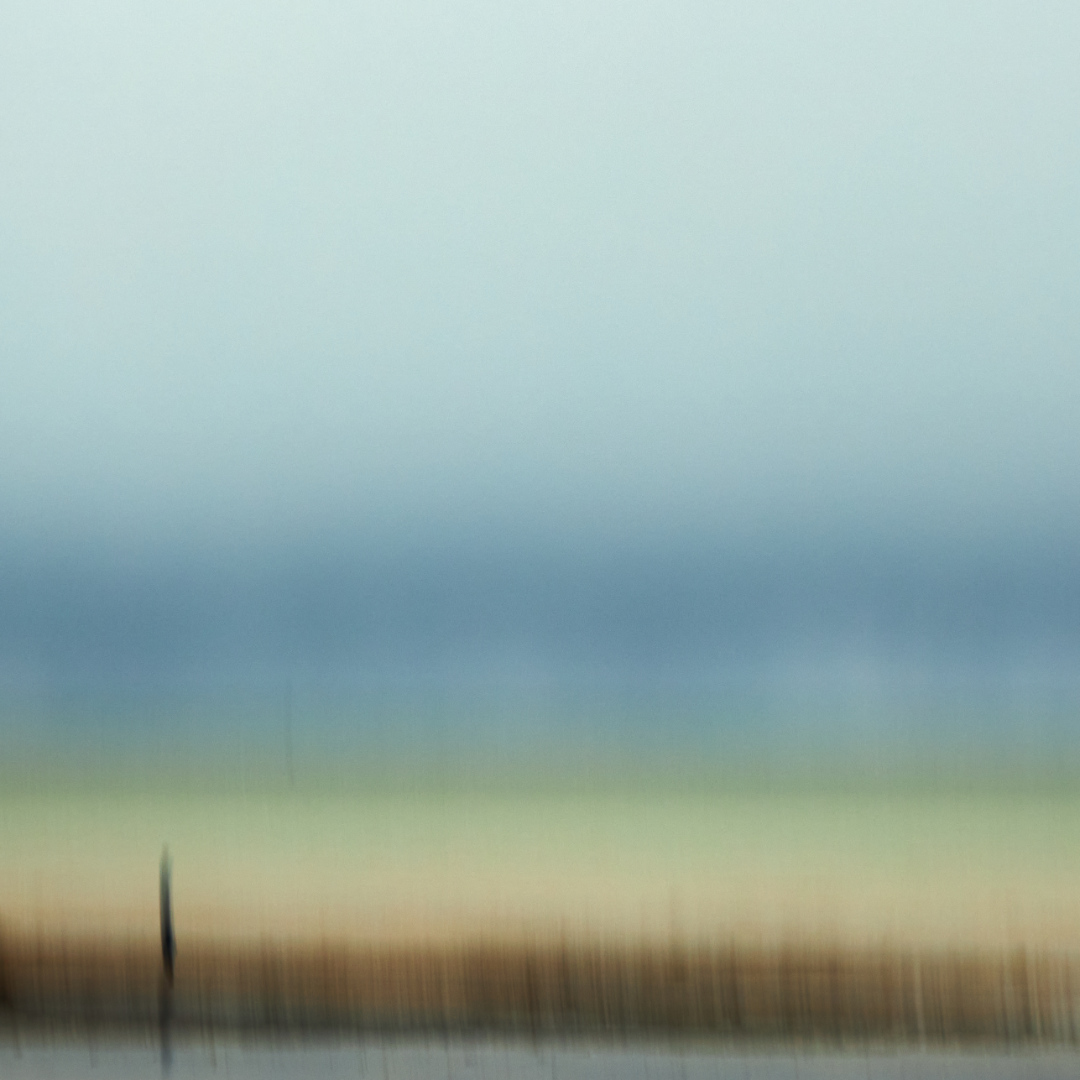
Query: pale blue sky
(433, 321)
(615, 265)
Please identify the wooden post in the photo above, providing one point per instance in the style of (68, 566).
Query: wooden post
(168, 940)
(168, 957)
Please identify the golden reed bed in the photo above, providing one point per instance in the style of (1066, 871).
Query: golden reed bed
(796, 993)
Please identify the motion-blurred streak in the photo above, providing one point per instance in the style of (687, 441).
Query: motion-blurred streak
(800, 992)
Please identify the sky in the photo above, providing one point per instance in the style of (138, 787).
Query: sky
(678, 348)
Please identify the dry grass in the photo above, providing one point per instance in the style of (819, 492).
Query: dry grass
(800, 993)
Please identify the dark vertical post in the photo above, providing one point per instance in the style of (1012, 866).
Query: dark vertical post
(168, 957)
(168, 941)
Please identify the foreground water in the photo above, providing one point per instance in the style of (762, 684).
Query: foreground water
(436, 1060)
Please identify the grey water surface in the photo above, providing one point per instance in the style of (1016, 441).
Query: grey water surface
(420, 1060)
